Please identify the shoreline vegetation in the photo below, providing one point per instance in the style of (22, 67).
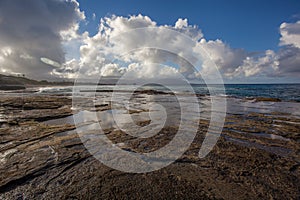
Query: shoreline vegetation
(256, 157)
(9, 82)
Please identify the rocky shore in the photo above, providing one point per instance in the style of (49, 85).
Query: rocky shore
(257, 157)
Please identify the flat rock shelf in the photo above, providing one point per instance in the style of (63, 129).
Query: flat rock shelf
(256, 157)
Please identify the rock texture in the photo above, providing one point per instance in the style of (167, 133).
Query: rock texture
(40, 161)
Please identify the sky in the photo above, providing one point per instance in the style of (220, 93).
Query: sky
(248, 41)
(252, 25)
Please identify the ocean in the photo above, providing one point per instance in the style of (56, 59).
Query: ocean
(283, 92)
(241, 99)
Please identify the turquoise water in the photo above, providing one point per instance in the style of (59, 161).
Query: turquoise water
(288, 92)
(285, 92)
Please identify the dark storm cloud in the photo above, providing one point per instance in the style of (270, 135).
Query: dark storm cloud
(30, 30)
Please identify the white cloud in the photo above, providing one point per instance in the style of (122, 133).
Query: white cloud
(102, 53)
(112, 69)
(252, 66)
(239, 63)
(115, 40)
(181, 23)
(290, 34)
(226, 58)
(50, 30)
(150, 70)
(288, 57)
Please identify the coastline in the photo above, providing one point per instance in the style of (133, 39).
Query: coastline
(257, 154)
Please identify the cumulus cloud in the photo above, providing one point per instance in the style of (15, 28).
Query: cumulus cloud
(109, 52)
(240, 63)
(116, 48)
(290, 34)
(284, 62)
(226, 58)
(288, 57)
(262, 65)
(181, 23)
(43, 41)
(31, 30)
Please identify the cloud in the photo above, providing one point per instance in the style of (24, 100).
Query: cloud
(288, 56)
(288, 59)
(112, 69)
(30, 30)
(109, 50)
(181, 23)
(284, 62)
(238, 63)
(264, 64)
(290, 34)
(108, 53)
(42, 40)
(226, 58)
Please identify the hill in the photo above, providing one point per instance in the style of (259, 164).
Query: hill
(16, 83)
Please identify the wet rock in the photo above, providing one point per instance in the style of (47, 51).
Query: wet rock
(37, 108)
(271, 99)
(39, 161)
(12, 87)
(150, 92)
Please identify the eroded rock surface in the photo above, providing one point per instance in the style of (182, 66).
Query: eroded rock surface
(257, 157)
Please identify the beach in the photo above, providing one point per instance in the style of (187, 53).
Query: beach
(42, 156)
